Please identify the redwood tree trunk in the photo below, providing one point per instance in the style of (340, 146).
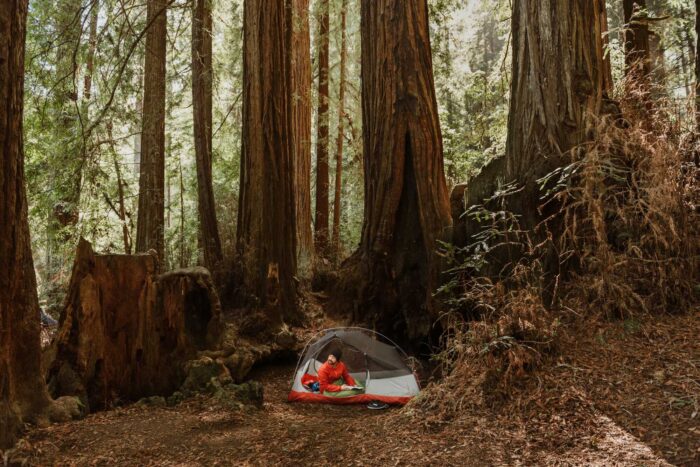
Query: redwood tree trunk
(299, 40)
(697, 64)
(266, 240)
(547, 72)
(23, 394)
(92, 47)
(322, 177)
(558, 88)
(202, 107)
(406, 200)
(607, 64)
(150, 227)
(341, 131)
(637, 58)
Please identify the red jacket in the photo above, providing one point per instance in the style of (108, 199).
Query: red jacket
(328, 374)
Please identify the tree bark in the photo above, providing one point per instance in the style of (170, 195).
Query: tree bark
(266, 240)
(202, 107)
(126, 333)
(545, 75)
(341, 132)
(607, 64)
(557, 92)
(697, 65)
(23, 395)
(395, 270)
(322, 172)
(92, 47)
(637, 58)
(151, 211)
(299, 38)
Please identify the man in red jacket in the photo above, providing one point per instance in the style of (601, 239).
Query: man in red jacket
(333, 370)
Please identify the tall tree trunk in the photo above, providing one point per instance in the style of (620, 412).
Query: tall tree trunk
(299, 40)
(92, 47)
(23, 394)
(183, 258)
(202, 106)
(697, 65)
(341, 131)
(546, 74)
(607, 64)
(637, 58)
(322, 176)
(266, 240)
(685, 50)
(150, 230)
(406, 200)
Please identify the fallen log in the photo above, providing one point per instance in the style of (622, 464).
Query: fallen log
(126, 333)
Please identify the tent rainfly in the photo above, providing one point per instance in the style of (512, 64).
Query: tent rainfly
(374, 361)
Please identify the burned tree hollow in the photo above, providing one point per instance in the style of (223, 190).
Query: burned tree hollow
(393, 274)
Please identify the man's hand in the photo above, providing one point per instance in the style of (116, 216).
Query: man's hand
(345, 387)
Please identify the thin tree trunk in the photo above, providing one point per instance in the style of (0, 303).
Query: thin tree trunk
(607, 64)
(121, 213)
(122, 208)
(92, 46)
(23, 394)
(637, 59)
(299, 38)
(341, 132)
(685, 68)
(183, 259)
(322, 175)
(266, 240)
(202, 106)
(395, 270)
(150, 230)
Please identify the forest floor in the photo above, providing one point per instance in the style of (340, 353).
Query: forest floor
(621, 393)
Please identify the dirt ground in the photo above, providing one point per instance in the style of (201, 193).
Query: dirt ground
(626, 393)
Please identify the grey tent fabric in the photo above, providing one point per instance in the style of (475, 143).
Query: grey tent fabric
(363, 351)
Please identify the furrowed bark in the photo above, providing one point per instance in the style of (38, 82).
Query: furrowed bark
(151, 211)
(299, 40)
(394, 272)
(341, 132)
(202, 108)
(266, 240)
(125, 332)
(637, 56)
(23, 395)
(322, 175)
(547, 73)
(697, 65)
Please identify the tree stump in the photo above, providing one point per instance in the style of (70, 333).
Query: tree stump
(126, 333)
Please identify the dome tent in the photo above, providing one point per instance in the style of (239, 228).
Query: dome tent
(371, 358)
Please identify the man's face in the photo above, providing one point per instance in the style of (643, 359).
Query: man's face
(332, 360)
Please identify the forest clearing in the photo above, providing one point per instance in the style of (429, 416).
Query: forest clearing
(350, 232)
(585, 418)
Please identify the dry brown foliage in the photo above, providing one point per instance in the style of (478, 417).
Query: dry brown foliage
(626, 231)
(629, 202)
